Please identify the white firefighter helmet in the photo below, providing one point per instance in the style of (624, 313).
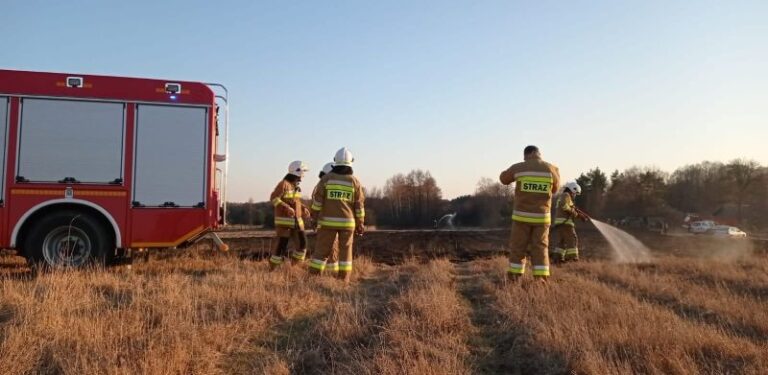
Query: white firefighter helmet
(297, 168)
(573, 187)
(327, 168)
(343, 158)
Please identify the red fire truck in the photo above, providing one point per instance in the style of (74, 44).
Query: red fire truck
(94, 167)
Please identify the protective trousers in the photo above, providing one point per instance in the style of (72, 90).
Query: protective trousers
(328, 239)
(567, 242)
(529, 240)
(332, 264)
(285, 235)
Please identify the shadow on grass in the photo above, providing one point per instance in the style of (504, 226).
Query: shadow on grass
(23, 275)
(15, 268)
(742, 288)
(320, 355)
(7, 313)
(200, 275)
(115, 297)
(739, 287)
(298, 344)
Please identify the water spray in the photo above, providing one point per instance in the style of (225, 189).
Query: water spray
(626, 248)
(449, 221)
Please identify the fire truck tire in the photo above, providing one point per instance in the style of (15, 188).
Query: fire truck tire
(68, 238)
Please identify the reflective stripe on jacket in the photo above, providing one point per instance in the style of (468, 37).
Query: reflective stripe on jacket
(535, 182)
(565, 210)
(339, 201)
(287, 195)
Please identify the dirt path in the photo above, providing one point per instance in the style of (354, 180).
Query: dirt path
(477, 289)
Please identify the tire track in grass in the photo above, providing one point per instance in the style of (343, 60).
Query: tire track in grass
(475, 292)
(478, 282)
(427, 327)
(579, 325)
(498, 344)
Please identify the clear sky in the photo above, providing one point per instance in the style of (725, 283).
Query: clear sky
(456, 88)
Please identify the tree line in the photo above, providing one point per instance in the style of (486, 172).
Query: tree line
(412, 200)
(735, 193)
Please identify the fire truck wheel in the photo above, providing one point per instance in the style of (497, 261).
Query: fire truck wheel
(67, 239)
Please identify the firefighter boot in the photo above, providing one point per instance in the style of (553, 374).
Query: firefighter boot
(298, 257)
(515, 271)
(345, 276)
(571, 255)
(514, 278)
(316, 266)
(557, 256)
(279, 256)
(275, 262)
(346, 239)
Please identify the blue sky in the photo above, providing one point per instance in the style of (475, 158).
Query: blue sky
(456, 88)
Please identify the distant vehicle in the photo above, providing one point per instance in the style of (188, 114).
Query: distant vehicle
(727, 231)
(657, 224)
(633, 222)
(701, 226)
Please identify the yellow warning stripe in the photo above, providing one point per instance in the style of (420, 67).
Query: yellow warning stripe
(183, 238)
(86, 193)
(97, 193)
(36, 192)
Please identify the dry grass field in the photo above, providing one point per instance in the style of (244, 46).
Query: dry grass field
(209, 315)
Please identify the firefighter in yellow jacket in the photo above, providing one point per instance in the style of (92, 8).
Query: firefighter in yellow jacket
(332, 264)
(338, 205)
(567, 245)
(535, 182)
(289, 216)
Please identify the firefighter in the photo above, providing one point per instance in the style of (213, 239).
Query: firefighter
(535, 182)
(567, 245)
(333, 261)
(338, 205)
(326, 169)
(289, 216)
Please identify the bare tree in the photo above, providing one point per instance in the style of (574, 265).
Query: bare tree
(593, 185)
(744, 173)
(414, 199)
(251, 211)
(492, 188)
(636, 192)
